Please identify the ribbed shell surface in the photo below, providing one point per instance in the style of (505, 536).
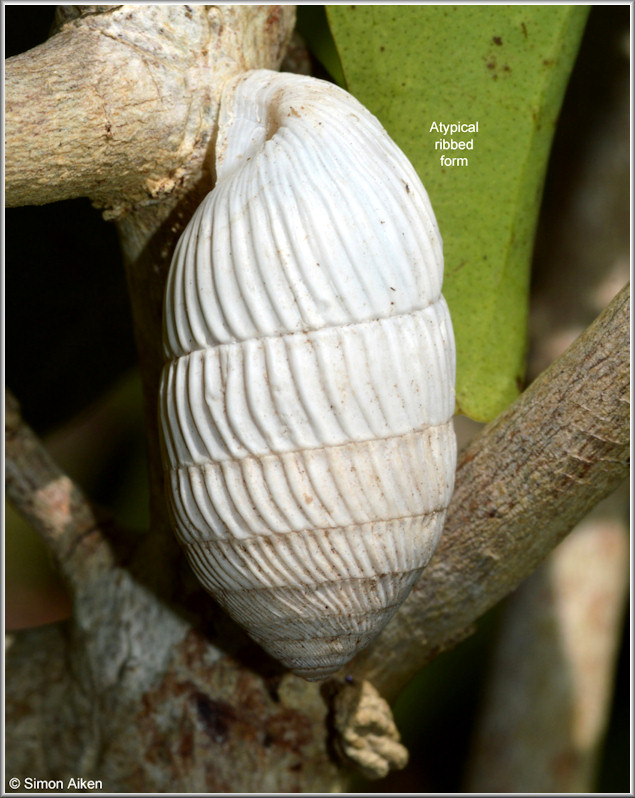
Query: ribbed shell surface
(307, 400)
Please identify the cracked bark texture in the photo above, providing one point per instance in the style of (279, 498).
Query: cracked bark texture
(149, 686)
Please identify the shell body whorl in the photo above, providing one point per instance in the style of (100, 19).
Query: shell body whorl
(306, 404)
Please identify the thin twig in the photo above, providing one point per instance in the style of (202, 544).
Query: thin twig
(69, 525)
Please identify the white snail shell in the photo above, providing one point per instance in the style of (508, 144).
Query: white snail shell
(306, 405)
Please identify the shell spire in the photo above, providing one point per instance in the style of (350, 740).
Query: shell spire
(306, 403)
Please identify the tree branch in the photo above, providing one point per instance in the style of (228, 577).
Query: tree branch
(521, 485)
(70, 527)
(120, 105)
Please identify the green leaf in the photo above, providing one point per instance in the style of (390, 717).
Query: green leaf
(505, 67)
